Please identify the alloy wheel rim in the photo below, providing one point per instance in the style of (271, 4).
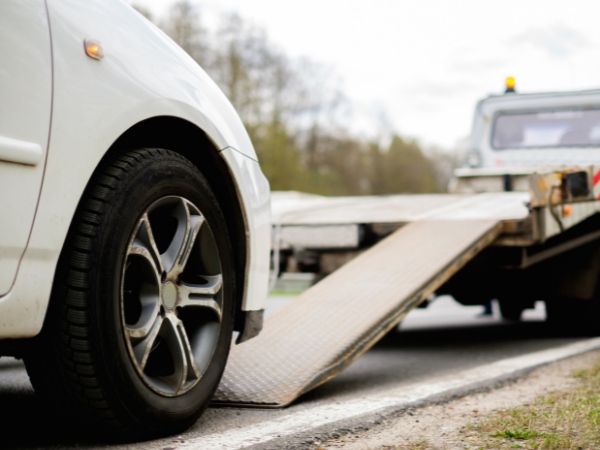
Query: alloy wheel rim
(171, 296)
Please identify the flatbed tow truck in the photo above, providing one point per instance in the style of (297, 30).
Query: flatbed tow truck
(520, 224)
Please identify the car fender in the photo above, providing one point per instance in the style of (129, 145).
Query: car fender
(143, 74)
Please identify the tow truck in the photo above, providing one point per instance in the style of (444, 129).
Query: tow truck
(520, 223)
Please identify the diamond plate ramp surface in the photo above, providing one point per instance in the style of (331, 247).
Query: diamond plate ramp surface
(321, 332)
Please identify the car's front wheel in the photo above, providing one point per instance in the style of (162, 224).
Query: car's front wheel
(141, 315)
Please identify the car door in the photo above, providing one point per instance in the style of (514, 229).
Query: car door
(25, 112)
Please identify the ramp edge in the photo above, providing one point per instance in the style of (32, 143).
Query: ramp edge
(387, 323)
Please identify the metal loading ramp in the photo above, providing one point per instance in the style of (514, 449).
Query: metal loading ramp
(321, 332)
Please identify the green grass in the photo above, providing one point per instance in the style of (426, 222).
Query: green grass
(562, 420)
(518, 434)
(567, 420)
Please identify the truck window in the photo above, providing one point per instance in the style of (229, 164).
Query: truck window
(544, 129)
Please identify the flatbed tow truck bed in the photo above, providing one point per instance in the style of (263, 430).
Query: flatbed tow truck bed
(430, 238)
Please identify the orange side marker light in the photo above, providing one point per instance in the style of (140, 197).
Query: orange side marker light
(93, 49)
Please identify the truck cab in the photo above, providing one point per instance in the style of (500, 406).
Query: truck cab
(514, 135)
(525, 143)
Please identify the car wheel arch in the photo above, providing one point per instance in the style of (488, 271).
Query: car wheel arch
(190, 141)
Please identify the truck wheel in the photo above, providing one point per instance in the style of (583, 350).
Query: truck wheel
(140, 320)
(510, 311)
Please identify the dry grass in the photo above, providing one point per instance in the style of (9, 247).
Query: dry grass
(420, 444)
(561, 420)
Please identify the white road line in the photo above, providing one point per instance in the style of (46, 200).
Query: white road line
(309, 419)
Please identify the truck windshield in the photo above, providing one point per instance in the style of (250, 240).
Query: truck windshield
(565, 128)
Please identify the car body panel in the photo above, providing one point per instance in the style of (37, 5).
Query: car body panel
(25, 108)
(142, 75)
(256, 194)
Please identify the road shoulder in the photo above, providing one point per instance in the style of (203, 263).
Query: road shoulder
(445, 425)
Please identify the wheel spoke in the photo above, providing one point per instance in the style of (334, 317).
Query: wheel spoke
(142, 349)
(194, 222)
(173, 333)
(200, 295)
(178, 252)
(144, 245)
(147, 320)
(147, 292)
(193, 373)
(210, 304)
(211, 288)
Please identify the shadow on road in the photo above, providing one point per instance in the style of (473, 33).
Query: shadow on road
(26, 423)
(400, 358)
(497, 332)
(407, 357)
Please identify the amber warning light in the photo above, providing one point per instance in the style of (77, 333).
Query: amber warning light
(93, 49)
(510, 85)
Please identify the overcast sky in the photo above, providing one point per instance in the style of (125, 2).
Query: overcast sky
(426, 62)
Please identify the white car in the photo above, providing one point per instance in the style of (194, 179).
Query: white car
(135, 220)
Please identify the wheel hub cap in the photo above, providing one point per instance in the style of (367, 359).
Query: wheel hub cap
(169, 295)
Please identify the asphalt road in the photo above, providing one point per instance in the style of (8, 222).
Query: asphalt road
(440, 340)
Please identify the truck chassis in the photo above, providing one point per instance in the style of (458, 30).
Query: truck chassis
(517, 247)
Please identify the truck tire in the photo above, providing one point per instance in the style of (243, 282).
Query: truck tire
(510, 310)
(141, 315)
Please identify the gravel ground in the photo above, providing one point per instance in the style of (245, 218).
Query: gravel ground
(443, 426)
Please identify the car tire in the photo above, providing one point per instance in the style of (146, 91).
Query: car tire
(141, 315)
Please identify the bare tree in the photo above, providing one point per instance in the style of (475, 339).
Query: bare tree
(183, 25)
(143, 11)
(293, 111)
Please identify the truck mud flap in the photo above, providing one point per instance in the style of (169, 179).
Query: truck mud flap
(321, 332)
